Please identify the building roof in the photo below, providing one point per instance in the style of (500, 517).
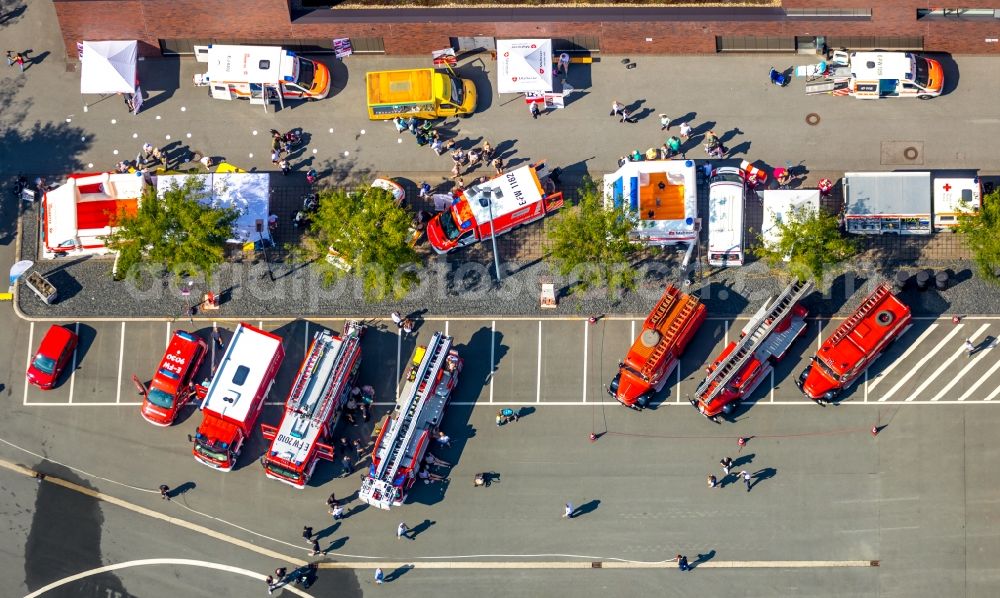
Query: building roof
(881, 65)
(887, 193)
(510, 192)
(241, 372)
(252, 64)
(779, 202)
(663, 194)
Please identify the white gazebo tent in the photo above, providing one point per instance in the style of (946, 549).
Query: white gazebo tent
(524, 65)
(108, 67)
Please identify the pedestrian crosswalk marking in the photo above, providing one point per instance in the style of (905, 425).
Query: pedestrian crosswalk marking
(974, 387)
(882, 376)
(944, 366)
(916, 369)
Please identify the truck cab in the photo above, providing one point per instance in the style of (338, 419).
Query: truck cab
(895, 74)
(172, 385)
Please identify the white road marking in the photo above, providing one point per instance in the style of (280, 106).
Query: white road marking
(726, 324)
(72, 373)
(772, 385)
(166, 339)
(586, 337)
(538, 377)
(446, 322)
(399, 356)
(121, 358)
(974, 387)
(958, 377)
(819, 334)
(215, 326)
(993, 394)
(944, 366)
(920, 364)
(162, 561)
(913, 347)
(27, 362)
(305, 340)
(260, 324)
(866, 384)
(633, 331)
(493, 359)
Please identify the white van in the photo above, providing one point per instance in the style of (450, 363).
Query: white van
(726, 194)
(260, 74)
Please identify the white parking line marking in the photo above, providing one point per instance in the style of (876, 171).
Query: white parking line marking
(772, 385)
(260, 324)
(446, 322)
(121, 358)
(984, 378)
(955, 379)
(866, 385)
(993, 394)
(305, 340)
(727, 332)
(930, 355)
(944, 366)
(882, 376)
(72, 373)
(677, 386)
(632, 332)
(493, 359)
(215, 326)
(166, 338)
(586, 337)
(538, 377)
(27, 362)
(819, 334)
(399, 356)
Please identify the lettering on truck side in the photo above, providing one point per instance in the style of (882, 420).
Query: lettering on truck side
(177, 369)
(294, 442)
(518, 194)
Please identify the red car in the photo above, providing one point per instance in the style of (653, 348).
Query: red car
(54, 353)
(172, 385)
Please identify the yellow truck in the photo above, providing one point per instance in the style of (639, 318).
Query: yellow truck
(422, 93)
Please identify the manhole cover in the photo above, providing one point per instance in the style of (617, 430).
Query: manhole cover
(812, 119)
(902, 153)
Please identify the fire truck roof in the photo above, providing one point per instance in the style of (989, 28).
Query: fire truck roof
(509, 192)
(241, 372)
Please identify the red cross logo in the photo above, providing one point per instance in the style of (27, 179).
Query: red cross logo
(947, 187)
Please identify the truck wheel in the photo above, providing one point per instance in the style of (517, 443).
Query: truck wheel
(924, 97)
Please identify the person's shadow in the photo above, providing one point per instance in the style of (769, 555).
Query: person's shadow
(397, 573)
(323, 533)
(587, 507)
(421, 528)
(702, 558)
(761, 475)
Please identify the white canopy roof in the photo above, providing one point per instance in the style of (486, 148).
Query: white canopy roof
(248, 192)
(524, 65)
(108, 67)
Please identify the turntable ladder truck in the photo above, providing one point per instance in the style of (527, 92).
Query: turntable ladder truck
(402, 442)
(322, 385)
(655, 354)
(745, 362)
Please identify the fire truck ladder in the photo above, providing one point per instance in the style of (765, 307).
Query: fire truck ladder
(745, 347)
(321, 366)
(668, 338)
(423, 386)
(870, 303)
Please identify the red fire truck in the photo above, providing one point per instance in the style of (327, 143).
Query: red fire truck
(322, 385)
(492, 208)
(855, 345)
(173, 383)
(654, 355)
(747, 361)
(236, 395)
(409, 429)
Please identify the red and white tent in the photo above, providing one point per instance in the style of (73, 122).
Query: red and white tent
(524, 65)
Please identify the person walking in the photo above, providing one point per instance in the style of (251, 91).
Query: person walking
(712, 482)
(443, 440)
(315, 548)
(275, 157)
(498, 165)
(337, 511)
(407, 326)
(358, 449)
(379, 575)
(535, 111)
(345, 462)
(727, 464)
(307, 533)
(616, 108)
(331, 501)
(626, 116)
(564, 64)
(682, 562)
(270, 584)
(969, 347)
(10, 58)
(19, 59)
(217, 339)
(741, 442)
(568, 511)
(284, 166)
(664, 122)
(685, 131)
(487, 152)
(365, 413)
(164, 492)
(396, 319)
(403, 532)
(746, 479)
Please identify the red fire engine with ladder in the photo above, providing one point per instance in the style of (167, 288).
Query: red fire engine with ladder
(321, 387)
(745, 362)
(655, 354)
(408, 430)
(855, 345)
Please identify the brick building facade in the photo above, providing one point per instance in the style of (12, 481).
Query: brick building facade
(174, 26)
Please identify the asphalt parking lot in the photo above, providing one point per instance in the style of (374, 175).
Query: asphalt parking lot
(524, 362)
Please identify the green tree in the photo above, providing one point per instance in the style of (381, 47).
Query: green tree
(593, 242)
(176, 231)
(981, 232)
(365, 233)
(811, 242)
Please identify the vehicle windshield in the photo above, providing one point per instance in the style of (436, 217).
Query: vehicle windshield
(44, 364)
(451, 231)
(456, 91)
(730, 177)
(160, 398)
(282, 472)
(921, 71)
(307, 71)
(828, 371)
(214, 455)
